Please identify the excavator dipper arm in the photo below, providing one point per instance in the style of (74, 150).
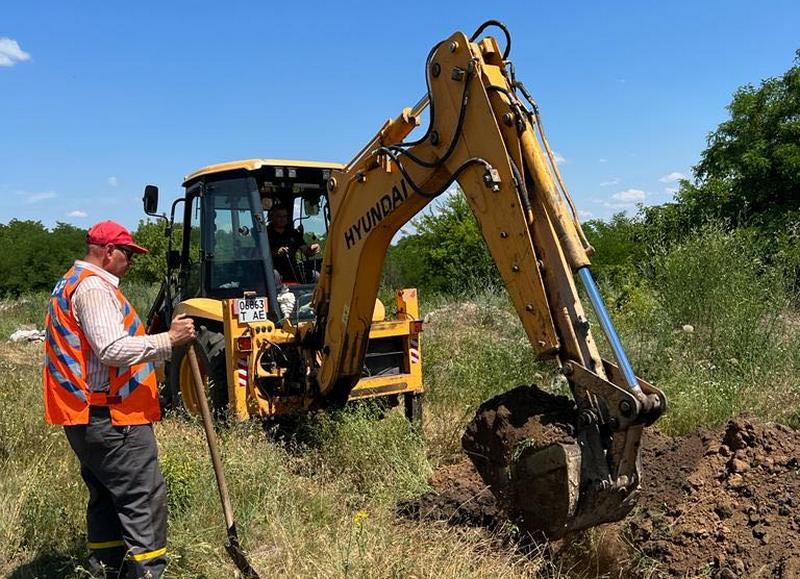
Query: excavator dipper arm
(482, 135)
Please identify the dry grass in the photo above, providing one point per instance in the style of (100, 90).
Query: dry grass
(473, 349)
(322, 506)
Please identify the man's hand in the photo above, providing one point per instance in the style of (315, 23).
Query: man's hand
(309, 250)
(181, 331)
(283, 251)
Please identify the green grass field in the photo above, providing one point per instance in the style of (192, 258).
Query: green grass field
(719, 339)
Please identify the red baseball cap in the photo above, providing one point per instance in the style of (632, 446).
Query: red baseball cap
(112, 232)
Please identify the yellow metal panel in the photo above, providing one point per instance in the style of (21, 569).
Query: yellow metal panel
(389, 328)
(407, 304)
(255, 164)
(240, 403)
(369, 390)
(379, 313)
(382, 385)
(201, 308)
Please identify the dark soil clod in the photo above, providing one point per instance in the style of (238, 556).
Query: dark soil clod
(459, 496)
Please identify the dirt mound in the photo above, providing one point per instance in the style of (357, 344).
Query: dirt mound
(723, 500)
(720, 503)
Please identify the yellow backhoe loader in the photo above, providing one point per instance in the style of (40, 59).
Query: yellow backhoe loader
(484, 132)
(226, 277)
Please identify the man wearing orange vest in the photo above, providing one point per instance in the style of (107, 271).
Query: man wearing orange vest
(100, 383)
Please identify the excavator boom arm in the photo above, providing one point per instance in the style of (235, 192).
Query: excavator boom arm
(481, 135)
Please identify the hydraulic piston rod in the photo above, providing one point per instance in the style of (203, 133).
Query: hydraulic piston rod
(610, 332)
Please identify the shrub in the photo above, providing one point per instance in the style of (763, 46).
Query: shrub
(710, 327)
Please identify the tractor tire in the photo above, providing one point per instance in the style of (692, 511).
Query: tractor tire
(210, 348)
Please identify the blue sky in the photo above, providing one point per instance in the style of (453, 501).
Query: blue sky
(98, 99)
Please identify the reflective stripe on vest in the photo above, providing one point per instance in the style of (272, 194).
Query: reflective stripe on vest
(133, 392)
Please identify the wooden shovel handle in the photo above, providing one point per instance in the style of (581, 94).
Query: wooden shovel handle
(208, 426)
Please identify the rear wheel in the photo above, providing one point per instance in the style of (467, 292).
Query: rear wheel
(210, 348)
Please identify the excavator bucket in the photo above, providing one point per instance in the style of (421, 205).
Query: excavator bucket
(549, 476)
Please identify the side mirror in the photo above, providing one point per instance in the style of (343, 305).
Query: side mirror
(150, 199)
(173, 259)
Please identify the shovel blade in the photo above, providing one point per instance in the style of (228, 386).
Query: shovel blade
(238, 556)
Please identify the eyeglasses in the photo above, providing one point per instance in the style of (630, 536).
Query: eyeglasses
(127, 251)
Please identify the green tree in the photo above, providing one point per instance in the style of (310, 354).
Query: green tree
(33, 258)
(617, 245)
(152, 266)
(404, 265)
(446, 254)
(750, 172)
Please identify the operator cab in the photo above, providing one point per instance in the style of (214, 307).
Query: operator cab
(235, 210)
(297, 225)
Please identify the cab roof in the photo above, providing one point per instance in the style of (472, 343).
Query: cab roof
(255, 164)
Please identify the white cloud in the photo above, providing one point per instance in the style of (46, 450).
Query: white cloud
(77, 213)
(603, 160)
(626, 199)
(672, 177)
(113, 181)
(585, 214)
(630, 196)
(612, 181)
(670, 190)
(31, 198)
(559, 158)
(11, 53)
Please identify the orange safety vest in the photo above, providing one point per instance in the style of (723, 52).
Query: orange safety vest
(133, 391)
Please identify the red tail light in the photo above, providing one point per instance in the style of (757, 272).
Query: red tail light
(416, 327)
(244, 343)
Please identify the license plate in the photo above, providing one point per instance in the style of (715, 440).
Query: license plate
(252, 310)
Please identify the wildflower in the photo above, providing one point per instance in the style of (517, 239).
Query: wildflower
(360, 516)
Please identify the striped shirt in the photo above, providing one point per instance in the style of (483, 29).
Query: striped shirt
(98, 313)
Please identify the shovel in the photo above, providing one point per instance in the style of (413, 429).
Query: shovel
(233, 547)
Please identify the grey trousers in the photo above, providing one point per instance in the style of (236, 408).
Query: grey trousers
(126, 517)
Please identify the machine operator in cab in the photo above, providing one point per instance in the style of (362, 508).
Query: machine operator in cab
(285, 241)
